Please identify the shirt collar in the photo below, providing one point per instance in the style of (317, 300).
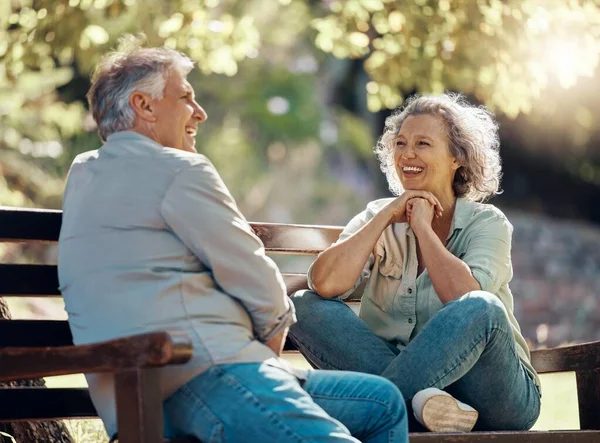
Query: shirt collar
(130, 142)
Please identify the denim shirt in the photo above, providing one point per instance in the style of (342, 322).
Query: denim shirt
(152, 239)
(396, 303)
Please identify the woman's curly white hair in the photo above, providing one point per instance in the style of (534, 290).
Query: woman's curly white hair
(472, 139)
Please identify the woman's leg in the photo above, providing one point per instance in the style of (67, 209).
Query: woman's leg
(260, 402)
(331, 336)
(468, 349)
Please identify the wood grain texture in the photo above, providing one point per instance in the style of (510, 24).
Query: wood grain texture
(44, 347)
(139, 406)
(31, 225)
(42, 403)
(509, 437)
(588, 396)
(578, 357)
(43, 225)
(144, 350)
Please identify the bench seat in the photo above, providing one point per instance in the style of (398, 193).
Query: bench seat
(40, 348)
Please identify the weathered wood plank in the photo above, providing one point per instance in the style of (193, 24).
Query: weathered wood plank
(42, 281)
(588, 396)
(139, 406)
(31, 225)
(34, 333)
(29, 280)
(509, 437)
(43, 225)
(296, 239)
(143, 350)
(44, 404)
(580, 357)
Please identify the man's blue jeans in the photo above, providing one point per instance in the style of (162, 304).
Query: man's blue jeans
(257, 402)
(467, 349)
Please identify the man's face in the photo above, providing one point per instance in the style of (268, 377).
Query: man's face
(177, 114)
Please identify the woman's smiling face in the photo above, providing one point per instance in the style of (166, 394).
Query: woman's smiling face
(422, 157)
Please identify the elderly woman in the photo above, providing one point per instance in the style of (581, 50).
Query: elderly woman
(436, 315)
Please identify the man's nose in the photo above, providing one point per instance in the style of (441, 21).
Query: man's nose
(199, 113)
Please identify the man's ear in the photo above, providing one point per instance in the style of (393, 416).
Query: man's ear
(142, 106)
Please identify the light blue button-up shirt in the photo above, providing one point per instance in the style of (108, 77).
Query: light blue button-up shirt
(397, 303)
(151, 239)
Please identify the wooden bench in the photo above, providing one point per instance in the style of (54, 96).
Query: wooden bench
(40, 348)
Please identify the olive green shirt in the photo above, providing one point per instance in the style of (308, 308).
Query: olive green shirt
(396, 303)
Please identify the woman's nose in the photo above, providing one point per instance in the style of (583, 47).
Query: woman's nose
(409, 152)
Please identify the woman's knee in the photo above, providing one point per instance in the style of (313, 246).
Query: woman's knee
(308, 302)
(485, 305)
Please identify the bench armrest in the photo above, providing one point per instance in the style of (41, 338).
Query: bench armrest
(144, 350)
(582, 357)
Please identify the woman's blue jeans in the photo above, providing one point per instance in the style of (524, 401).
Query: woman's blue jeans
(467, 349)
(257, 402)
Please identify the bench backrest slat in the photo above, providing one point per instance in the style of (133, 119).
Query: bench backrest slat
(45, 404)
(39, 333)
(34, 333)
(31, 225)
(38, 225)
(42, 281)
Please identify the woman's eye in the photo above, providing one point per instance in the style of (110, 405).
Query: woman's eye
(400, 143)
(424, 143)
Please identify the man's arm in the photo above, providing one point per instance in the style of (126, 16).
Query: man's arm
(202, 213)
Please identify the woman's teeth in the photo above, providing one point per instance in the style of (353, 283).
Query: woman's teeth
(412, 169)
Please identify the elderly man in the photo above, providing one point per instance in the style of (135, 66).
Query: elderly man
(151, 239)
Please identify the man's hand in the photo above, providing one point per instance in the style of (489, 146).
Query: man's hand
(397, 209)
(277, 342)
(420, 214)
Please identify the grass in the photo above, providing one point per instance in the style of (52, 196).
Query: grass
(559, 404)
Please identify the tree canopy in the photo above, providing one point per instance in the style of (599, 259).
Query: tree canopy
(270, 71)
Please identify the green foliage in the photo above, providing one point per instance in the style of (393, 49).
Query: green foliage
(504, 52)
(262, 78)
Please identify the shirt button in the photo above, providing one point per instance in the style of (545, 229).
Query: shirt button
(410, 320)
(410, 290)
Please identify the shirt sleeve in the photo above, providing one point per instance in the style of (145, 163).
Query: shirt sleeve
(202, 213)
(354, 225)
(488, 254)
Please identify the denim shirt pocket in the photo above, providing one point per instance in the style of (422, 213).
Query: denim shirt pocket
(390, 263)
(382, 291)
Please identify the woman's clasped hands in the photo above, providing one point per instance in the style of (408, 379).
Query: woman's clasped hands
(414, 207)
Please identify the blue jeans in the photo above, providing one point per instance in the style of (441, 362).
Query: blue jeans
(467, 348)
(257, 402)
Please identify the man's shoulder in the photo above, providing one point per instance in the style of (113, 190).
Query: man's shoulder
(85, 157)
(181, 161)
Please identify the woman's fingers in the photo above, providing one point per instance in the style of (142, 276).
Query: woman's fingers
(431, 199)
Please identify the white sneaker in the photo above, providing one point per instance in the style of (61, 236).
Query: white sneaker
(438, 411)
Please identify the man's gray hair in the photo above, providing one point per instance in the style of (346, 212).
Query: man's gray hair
(472, 139)
(128, 69)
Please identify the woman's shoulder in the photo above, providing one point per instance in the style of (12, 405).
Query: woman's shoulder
(484, 214)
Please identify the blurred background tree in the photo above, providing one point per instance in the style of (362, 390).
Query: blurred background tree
(297, 92)
(270, 92)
